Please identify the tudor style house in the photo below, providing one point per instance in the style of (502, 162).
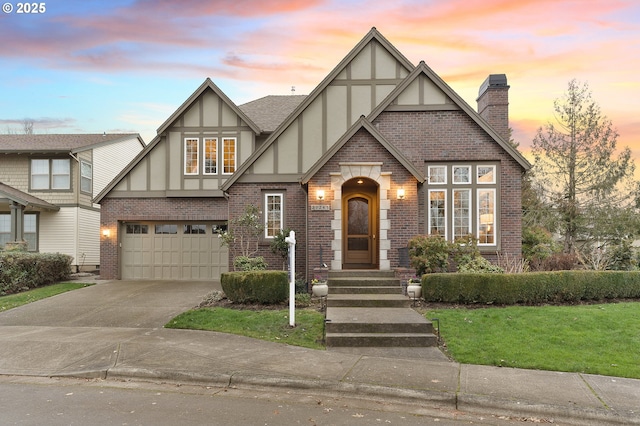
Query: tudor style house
(381, 150)
(47, 182)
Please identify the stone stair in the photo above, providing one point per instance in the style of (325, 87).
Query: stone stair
(368, 309)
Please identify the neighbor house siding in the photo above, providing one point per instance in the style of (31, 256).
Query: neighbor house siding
(109, 160)
(59, 232)
(88, 238)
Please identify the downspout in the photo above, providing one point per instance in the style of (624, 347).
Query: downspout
(77, 194)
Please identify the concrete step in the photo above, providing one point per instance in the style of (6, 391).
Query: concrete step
(410, 340)
(361, 273)
(368, 300)
(366, 290)
(364, 282)
(376, 320)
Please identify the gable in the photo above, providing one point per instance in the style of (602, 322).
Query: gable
(361, 80)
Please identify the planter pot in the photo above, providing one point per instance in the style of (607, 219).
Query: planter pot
(320, 290)
(414, 291)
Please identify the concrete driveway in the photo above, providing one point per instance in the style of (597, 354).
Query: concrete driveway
(130, 304)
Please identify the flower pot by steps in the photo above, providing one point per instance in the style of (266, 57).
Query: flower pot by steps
(414, 291)
(320, 289)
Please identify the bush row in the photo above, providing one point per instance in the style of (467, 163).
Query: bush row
(21, 271)
(267, 287)
(531, 288)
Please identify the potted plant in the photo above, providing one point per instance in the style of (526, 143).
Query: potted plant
(319, 288)
(414, 288)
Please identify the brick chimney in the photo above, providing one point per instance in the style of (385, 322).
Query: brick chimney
(493, 103)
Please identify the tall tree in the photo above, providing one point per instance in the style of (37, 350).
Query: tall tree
(577, 160)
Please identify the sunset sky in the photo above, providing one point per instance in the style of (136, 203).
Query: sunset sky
(85, 66)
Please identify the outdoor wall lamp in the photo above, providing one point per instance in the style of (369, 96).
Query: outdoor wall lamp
(320, 194)
(400, 194)
(106, 233)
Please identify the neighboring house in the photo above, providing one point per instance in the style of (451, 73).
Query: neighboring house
(379, 152)
(47, 183)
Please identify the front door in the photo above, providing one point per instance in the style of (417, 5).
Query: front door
(360, 224)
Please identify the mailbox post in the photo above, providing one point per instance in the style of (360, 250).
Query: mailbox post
(291, 240)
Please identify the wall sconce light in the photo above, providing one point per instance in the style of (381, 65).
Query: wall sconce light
(106, 233)
(400, 194)
(320, 194)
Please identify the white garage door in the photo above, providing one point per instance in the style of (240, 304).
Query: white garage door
(173, 251)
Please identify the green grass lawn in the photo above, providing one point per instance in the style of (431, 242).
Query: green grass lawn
(271, 325)
(19, 299)
(596, 339)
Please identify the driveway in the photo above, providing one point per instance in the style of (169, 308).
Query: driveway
(130, 304)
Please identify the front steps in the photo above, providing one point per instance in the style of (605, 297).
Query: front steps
(368, 309)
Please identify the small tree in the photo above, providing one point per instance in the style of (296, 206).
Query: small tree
(243, 236)
(280, 247)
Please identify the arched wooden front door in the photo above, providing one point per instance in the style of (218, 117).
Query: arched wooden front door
(360, 224)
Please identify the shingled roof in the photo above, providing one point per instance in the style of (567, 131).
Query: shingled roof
(59, 142)
(269, 112)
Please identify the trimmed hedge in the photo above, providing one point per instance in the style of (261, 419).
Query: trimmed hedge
(531, 288)
(21, 271)
(267, 287)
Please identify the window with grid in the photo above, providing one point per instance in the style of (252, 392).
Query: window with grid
(191, 156)
(210, 165)
(228, 156)
(273, 215)
(438, 212)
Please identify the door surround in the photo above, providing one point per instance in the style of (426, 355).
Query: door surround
(373, 171)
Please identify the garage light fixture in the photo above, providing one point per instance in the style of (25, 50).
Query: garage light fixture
(106, 233)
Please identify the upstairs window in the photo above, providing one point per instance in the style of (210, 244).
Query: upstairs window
(228, 156)
(210, 165)
(86, 177)
(49, 174)
(191, 156)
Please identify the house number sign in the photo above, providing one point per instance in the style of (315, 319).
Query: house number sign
(320, 207)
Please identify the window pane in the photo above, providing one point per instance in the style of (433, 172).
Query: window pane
(461, 213)
(229, 154)
(86, 171)
(39, 174)
(486, 216)
(273, 217)
(194, 229)
(60, 174)
(461, 174)
(437, 213)
(437, 174)
(191, 156)
(210, 156)
(5, 223)
(219, 228)
(486, 174)
(167, 229)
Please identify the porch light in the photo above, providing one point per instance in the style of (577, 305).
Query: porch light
(400, 194)
(320, 194)
(106, 233)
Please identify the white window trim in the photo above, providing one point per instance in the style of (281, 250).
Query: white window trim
(437, 167)
(197, 157)
(266, 212)
(204, 155)
(493, 182)
(495, 221)
(235, 155)
(90, 178)
(48, 174)
(453, 175)
(446, 222)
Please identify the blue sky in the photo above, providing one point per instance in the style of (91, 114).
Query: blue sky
(125, 66)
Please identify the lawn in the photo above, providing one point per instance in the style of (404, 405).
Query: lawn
(19, 299)
(596, 339)
(271, 325)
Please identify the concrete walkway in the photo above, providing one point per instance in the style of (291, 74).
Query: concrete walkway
(114, 330)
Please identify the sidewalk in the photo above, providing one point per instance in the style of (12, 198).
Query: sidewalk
(227, 360)
(114, 331)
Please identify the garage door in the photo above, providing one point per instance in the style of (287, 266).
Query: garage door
(175, 251)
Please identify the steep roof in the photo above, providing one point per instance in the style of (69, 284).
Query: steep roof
(270, 111)
(47, 143)
(423, 69)
(373, 34)
(23, 198)
(208, 84)
(365, 124)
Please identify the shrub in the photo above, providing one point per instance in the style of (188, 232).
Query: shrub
(303, 300)
(267, 287)
(22, 270)
(245, 263)
(531, 288)
(479, 265)
(429, 254)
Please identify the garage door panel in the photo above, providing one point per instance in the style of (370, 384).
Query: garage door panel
(174, 256)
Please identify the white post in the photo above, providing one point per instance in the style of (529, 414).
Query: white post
(291, 239)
